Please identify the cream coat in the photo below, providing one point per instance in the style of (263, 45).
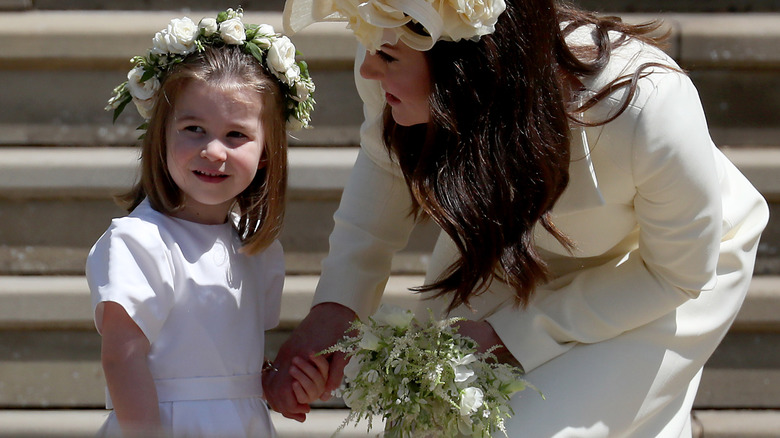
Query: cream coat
(666, 230)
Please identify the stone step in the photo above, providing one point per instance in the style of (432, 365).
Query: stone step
(62, 302)
(49, 350)
(322, 423)
(72, 187)
(75, 58)
(59, 369)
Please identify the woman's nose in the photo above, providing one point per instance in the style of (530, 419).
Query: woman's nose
(215, 150)
(371, 67)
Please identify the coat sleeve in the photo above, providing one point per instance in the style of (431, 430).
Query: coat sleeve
(679, 216)
(373, 220)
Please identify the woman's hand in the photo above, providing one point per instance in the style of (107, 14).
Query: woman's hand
(325, 325)
(485, 336)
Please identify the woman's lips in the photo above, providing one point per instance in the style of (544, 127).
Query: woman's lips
(392, 100)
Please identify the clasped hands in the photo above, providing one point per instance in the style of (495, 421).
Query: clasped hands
(301, 376)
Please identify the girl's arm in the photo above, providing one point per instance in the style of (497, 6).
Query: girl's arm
(125, 349)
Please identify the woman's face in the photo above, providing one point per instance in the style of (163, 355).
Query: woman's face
(405, 78)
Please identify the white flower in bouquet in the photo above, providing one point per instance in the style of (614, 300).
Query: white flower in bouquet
(423, 379)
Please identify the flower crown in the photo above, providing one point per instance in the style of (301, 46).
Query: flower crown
(376, 22)
(183, 37)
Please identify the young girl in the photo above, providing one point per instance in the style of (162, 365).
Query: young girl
(590, 227)
(185, 286)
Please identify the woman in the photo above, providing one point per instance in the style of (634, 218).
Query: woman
(590, 226)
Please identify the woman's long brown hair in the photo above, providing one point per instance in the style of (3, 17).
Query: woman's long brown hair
(494, 158)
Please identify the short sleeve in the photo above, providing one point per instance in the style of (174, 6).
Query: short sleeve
(130, 265)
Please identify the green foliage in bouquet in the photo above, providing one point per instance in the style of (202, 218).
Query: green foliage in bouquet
(423, 379)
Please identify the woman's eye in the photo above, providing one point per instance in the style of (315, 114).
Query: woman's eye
(385, 57)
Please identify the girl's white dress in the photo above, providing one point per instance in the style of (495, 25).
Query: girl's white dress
(204, 308)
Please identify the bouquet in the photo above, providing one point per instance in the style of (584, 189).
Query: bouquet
(423, 379)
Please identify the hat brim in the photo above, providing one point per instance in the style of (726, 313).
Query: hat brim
(299, 14)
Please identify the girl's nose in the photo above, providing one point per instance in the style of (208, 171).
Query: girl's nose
(215, 150)
(371, 67)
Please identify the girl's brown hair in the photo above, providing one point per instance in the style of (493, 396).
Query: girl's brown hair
(260, 206)
(494, 158)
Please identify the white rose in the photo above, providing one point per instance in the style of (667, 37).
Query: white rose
(209, 26)
(369, 341)
(266, 29)
(470, 400)
(232, 31)
(467, 19)
(178, 37)
(393, 316)
(141, 90)
(144, 107)
(281, 55)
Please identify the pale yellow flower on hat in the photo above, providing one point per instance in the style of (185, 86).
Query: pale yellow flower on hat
(377, 22)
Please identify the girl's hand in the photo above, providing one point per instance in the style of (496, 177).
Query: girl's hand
(310, 378)
(325, 324)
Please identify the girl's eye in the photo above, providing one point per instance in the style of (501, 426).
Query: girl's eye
(235, 134)
(193, 128)
(385, 57)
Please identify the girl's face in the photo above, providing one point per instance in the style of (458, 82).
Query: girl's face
(215, 143)
(405, 78)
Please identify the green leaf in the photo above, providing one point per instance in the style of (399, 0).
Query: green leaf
(255, 51)
(251, 31)
(304, 68)
(121, 107)
(148, 74)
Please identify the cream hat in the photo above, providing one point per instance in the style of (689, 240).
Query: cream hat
(377, 22)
